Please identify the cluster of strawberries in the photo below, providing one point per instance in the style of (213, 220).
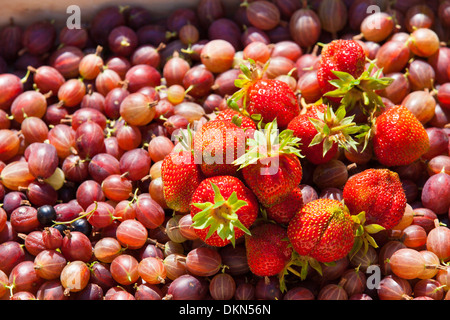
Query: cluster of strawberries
(260, 171)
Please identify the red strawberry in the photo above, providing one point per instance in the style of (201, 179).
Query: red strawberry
(343, 77)
(340, 55)
(283, 212)
(271, 166)
(377, 192)
(268, 250)
(398, 137)
(216, 145)
(271, 189)
(321, 132)
(230, 114)
(222, 210)
(304, 129)
(266, 99)
(181, 177)
(322, 230)
(272, 99)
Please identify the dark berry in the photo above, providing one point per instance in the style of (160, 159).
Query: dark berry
(46, 214)
(61, 228)
(83, 226)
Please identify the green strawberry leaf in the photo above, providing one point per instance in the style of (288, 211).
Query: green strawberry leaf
(240, 82)
(356, 247)
(233, 198)
(268, 143)
(359, 218)
(245, 70)
(208, 217)
(342, 91)
(343, 76)
(236, 120)
(218, 204)
(242, 227)
(201, 223)
(315, 265)
(317, 123)
(340, 113)
(217, 195)
(326, 130)
(330, 264)
(203, 206)
(377, 83)
(238, 204)
(359, 231)
(232, 104)
(371, 241)
(213, 226)
(374, 228)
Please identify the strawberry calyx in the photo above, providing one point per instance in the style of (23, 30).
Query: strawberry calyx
(185, 138)
(361, 90)
(268, 144)
(250, 72)
(303, 262)
(363, 233)
(333, 127)
(220, 216)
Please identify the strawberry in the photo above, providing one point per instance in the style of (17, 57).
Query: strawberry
(222, 210)
(181, 177)
(271, 166)
(264, 99)
(268, 251)
(284, 211)
(398, 137)
(340, 55)
(321, 132)
(235, 116)
(216, 145)
(377, 192)
(272, 99)
(304, 129)
(322, 230)
(343, 77)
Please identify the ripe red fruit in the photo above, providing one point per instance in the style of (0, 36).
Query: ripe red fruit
(222, 210)
(266, 99)
(344, 79)
(181, 176)
(393, 143)
(219, 143)
(322, 230)
(273, 99)
(233, 115)
(377, 192)
(271, 166)
(284, 211)
(340, 55)
(304, 129)
(268, 251)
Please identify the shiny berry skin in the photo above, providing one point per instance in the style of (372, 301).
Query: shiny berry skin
(46, 214)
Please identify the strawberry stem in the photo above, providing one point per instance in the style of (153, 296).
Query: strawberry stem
(339, 128)
(229, 216)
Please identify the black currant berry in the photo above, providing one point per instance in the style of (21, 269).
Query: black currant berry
(61, 228)
(83, 226)
(46, 214)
